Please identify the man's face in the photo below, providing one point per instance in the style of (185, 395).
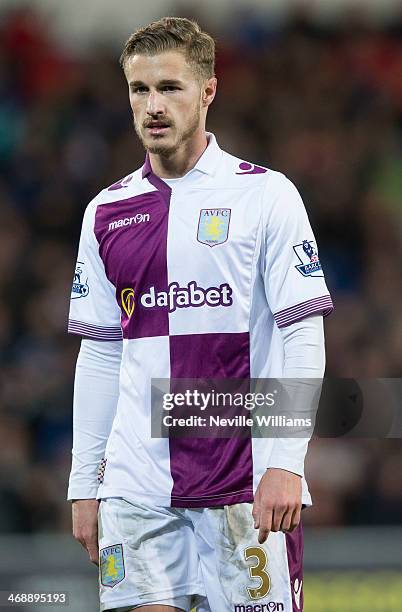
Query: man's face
(166, 100)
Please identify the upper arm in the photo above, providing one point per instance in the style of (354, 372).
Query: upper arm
(94, 311)
(294, 281)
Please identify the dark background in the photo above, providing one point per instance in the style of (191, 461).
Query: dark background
(323, 104)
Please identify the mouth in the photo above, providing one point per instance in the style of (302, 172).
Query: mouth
(157, 128)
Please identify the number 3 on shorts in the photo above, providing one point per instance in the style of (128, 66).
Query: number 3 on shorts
(258, 571)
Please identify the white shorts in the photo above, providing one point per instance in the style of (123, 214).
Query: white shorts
(209, 555)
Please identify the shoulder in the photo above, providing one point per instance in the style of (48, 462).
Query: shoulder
(125, 188)
(130, 185)
(243, 173)
(281, 198)
(124, 183)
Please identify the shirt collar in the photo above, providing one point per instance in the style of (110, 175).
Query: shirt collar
(207, 163)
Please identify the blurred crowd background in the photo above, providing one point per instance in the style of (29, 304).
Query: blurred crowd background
(322, 104)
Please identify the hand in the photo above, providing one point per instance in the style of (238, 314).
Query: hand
(85, 526)
(277, 502)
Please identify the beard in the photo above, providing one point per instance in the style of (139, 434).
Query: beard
(165, 150)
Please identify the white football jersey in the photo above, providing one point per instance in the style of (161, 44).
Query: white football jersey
(196, 277)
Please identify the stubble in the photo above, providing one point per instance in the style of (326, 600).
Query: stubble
(166, 150)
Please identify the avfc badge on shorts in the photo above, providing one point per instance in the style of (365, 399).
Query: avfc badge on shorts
(309, 263)
(80, 287)
(111, 563)
(213, 226)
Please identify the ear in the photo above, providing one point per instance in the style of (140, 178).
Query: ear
(209, 91)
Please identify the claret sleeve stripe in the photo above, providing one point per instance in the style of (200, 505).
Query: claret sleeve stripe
(298, 312)
(96, 332)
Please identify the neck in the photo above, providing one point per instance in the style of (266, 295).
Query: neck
(182, 160)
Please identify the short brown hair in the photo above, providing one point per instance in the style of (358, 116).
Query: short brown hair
(170, 33)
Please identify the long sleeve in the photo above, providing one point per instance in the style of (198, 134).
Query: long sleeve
(96, 391)
(304, 358)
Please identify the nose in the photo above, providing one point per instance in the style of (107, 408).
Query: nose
(155, 104)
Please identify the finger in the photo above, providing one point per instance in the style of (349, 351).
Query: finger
(94, 560)
(278, 515)
(80, 539)
(93, 552)
(256, 513)
(265, 526)
(296, 517)
(287, 520)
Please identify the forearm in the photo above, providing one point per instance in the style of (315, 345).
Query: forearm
(304, 358)
(96, 391)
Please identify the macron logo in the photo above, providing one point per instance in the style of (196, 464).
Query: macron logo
(139, 218)
(298, 591)
(248, 168)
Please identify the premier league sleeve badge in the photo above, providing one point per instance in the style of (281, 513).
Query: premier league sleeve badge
(80, 287)
(309, 264)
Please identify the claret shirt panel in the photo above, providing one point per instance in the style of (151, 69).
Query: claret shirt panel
(134, 256)
(196, 276)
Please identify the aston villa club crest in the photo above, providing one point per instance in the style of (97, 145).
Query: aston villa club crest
(309, 263)
(111, 565)
(213, 226)
(80, 287)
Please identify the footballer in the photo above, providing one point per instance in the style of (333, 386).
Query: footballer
(198, 264)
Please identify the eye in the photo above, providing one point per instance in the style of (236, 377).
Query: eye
(170, 88)
(139, 89)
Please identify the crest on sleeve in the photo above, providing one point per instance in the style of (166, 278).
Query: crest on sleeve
(80, 286)
(112, 565)
(307, 254)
